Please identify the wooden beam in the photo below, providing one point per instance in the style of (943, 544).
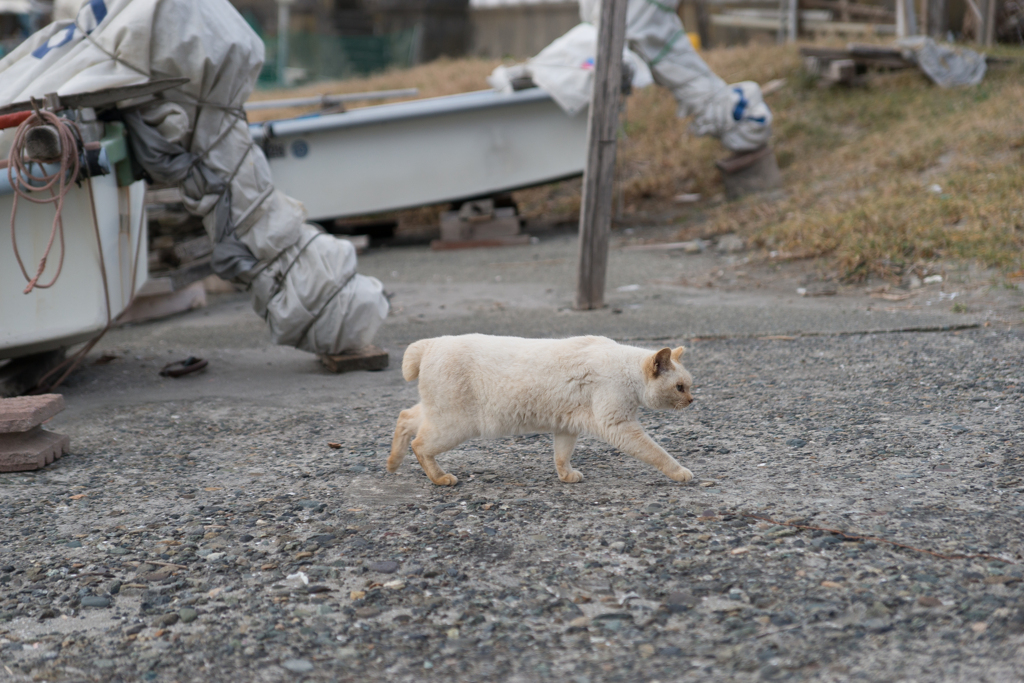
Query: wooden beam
(598, 178)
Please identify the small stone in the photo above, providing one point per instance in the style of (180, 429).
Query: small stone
(118, 550)
(739, 551)
(929, 601)
(580, 622)
(617, 546)
(104, 663)
(297, 666)
(367, 612)
(187, 615)
(979, 627)
(169, 619)
(387, 567)
(245, 538)
(73, 544)
(357, 595)
(646, 650)
(95, 601)
(831, 584)
(796, 443)
(35, 574)
(396, 584)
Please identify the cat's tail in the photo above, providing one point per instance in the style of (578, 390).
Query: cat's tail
(411, 359)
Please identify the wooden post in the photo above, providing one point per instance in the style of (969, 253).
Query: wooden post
(792, 21)
(602, 127)
(990, 23)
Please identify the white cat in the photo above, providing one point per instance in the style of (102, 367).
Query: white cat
(477, 385)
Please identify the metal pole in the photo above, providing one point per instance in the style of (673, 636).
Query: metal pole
(283, 28)
(793, 20)
(598, 179)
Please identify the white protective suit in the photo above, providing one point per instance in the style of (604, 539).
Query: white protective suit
(303, 282)
(736, 113)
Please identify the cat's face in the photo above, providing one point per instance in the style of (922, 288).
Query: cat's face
(668, 382)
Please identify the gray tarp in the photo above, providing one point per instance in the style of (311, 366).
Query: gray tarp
(311, 297)
(736, 114)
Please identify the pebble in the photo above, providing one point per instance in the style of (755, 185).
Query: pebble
(386, 567)
(95, 601)
(187, 615)
(169, 619)
(297, 666)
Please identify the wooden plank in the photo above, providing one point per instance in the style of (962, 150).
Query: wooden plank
(602, 128)
(369, 358)
(852, 10)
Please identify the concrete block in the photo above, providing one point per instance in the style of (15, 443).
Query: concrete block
(31, 450)
(22, 413)
(750, 173)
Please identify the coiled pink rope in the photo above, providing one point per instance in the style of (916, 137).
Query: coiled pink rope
(25, 184)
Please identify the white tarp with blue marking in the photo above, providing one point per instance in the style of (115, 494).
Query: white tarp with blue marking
(736, 114)
(197, 137)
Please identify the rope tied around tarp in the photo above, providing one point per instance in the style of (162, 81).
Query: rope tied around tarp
(26, 183)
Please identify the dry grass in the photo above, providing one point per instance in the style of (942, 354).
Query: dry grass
(857, 163)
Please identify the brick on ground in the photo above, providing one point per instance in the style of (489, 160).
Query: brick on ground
(24, 445)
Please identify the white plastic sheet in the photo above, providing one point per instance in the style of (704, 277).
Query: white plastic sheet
(946, 65)
(116, 43)
(658, 50)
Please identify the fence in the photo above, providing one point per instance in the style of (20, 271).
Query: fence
(314, 57)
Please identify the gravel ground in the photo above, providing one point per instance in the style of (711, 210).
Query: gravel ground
(215, 540)
(205, 529)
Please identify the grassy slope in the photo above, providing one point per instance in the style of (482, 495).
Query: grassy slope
(857, 163)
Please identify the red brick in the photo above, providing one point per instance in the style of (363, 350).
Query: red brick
(31, 450)
(22, 413)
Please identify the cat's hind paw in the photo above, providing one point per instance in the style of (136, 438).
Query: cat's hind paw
(682, 474)
(447, 480)
(574, 477)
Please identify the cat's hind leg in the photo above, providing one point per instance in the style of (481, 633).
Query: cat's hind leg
(564, 445)
(431, 442)
(405, 429)
(631, 439)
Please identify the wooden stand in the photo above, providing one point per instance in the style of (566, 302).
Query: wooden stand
(369, 358)
(20, 375)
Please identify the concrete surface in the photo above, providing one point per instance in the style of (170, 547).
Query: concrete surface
(204, 529)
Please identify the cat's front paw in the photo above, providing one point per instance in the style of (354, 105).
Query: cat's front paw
(682, 474)
(574, 477)
(447, 480)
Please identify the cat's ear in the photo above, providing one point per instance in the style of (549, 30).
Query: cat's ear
(657, 363)
(678, 352)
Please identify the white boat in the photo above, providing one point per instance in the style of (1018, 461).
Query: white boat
(407, 154)
(74, 309)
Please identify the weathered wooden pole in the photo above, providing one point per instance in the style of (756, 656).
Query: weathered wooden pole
(602, 127)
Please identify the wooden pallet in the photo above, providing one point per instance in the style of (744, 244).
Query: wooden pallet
(368, 358)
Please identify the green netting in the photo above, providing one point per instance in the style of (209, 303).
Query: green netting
(338, 57)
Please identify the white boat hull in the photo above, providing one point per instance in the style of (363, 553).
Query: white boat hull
(74, 309)
(408, 154)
